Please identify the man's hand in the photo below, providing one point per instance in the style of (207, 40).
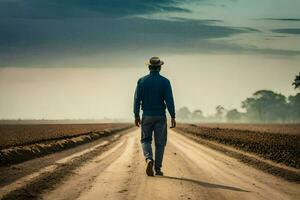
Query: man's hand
(173, 123)
(137, 122)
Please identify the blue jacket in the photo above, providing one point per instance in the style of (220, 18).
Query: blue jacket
(154, 93)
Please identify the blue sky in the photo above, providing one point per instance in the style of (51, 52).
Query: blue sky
(218, 41)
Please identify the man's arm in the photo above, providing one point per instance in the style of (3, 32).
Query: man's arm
(137, 104)
(170, 103)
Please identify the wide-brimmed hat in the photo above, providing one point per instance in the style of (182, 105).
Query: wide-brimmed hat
(155, 61)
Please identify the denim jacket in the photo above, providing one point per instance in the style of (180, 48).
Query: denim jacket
(154, 93)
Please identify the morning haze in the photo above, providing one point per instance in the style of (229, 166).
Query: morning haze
(82, 61)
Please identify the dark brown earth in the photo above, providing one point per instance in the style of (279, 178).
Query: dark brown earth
(293, 129)
(55, 142)
(279, 147)
(21, 134)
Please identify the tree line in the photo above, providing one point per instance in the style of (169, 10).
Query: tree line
(264, 106)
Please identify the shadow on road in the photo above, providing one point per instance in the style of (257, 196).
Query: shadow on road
(204, 184)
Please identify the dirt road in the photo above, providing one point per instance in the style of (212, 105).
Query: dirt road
(192, 171)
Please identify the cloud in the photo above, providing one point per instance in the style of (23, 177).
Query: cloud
(205, 21)
(106, 31)
(295, 31)
(226, 46)
(43, 32)
(281, 19)
(30, 40)
(38, 9)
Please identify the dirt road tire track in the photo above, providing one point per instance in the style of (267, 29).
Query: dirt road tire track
(285, 172)
(48, 181)
(192, 171)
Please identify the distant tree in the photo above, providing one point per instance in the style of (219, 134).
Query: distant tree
(266, 106)
(233, 115)
(197, 115)
(220, 111)
(294, 107)
(184, 114)
(297, 81)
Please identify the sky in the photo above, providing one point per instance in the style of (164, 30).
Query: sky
(81, 59)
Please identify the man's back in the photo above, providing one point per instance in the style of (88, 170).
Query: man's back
(154, 93)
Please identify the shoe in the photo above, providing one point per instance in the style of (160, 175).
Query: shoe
(149, 169)
(159, 173)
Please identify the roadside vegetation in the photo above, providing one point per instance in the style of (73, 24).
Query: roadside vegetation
(264, 106)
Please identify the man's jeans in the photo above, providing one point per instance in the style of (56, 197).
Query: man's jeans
(158, 126)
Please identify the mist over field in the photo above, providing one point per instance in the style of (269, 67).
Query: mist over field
(81, 60)
(264, 106)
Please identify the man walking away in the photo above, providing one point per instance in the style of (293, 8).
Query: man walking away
(154, 93)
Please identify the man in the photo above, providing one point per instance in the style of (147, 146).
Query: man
(154, 93)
